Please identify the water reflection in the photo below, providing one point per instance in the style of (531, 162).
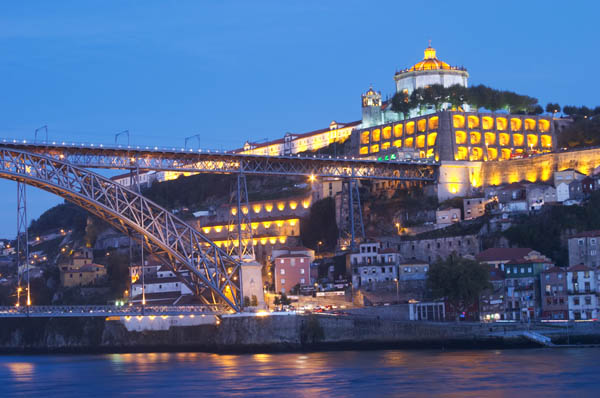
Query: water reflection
(21, 371)
(493, 373)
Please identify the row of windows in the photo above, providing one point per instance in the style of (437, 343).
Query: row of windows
(515, 270)
(487, 123)
(420, 142)
(474, 138)
(282, 271)
(302, 281)
(476, 153)
(459, 121)
(399, 130)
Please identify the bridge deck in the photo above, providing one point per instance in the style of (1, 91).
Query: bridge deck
(211, 161)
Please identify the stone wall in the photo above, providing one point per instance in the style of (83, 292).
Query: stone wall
(466, 178)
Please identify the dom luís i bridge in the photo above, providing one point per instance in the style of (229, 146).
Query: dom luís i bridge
(216, 275)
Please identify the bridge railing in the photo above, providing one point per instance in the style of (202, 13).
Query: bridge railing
(104, 310)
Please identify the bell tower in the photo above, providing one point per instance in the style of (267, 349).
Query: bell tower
(371, 108)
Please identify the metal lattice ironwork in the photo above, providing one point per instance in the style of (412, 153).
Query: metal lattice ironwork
(239, 231)
(209, 271)
(198, 161)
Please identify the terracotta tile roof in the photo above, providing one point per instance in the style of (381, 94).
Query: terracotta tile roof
(389, 250)
(554, 270)
(503, 253)
(586, 234)
(579, 267)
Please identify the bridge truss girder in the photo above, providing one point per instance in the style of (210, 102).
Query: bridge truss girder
(213, 275)
(228, 163)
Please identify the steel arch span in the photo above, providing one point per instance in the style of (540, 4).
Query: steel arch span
(203, 266)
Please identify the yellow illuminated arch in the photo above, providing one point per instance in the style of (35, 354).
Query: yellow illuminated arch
(431, 137)
(532, 140)
(458, 121)
(476, 153)
(364, 137)
(546, 141)
(518, 139)
(515, 124)
(410, 128)
(487, 123)
(408, 143)
(398, 130)
(433, 123)
(398, 143)
(460, 137)
(506, 153)
(501, 123)
(473, 122)
(543, 125)
(422, 125)
(387, 133)
(376, 135)
(421, 141)
(375, 148)
(529, 124)
(385, 145)
(475, 137)
(461, 153)
(364, 150)
(490, 138)
(492, 153)
(504, 139)
(430, 153)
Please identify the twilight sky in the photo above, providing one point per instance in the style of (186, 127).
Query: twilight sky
(237, 70)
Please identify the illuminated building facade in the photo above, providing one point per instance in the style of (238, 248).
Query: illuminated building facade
(294, 143)
(454, 135)
(428, 72)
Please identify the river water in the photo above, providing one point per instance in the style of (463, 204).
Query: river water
(385, 373)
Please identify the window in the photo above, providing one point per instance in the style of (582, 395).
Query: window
(560, 276)
(383, 270)
(301, 260)
(282, 272)
(522, 270)
(282, 281)
(302, 280)
(593, 241)
(580, 242)
(586, 274)
(281, 261)
(547, 278)
(302, 271)
(576, 300)
(529, 270)
(588, 300)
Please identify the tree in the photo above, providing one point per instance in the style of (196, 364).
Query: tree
(552, 108)
(458, 280)
(246, 301)
(254, 301)
(285, 300)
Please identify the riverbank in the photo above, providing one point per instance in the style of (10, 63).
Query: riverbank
(274, 333)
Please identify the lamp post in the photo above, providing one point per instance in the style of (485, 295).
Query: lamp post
(397, 291)
(398, 227)
(319, 243)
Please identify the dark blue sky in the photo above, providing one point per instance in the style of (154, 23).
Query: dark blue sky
(237, 70)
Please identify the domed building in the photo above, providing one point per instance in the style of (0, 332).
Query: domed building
(430, 71)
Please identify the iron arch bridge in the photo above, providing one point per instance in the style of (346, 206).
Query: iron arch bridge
(214, 276)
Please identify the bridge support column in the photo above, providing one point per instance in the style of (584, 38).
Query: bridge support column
(22, 242)
(252, 283)
(354, 226)
(239, 235)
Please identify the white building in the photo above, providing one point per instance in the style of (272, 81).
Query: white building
(582, 288)
(428, 72)
(371, 264)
